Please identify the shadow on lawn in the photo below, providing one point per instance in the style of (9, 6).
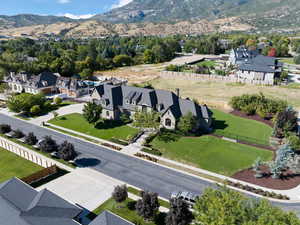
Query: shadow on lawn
(87, 162)
(219, 124)
(109, 124)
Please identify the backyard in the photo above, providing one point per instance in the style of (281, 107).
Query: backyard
(107, 131)
(15, 166)
(236, 127)
(126, 210)
(211, 153)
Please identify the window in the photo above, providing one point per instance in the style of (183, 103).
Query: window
(168, 122)
(107, 113)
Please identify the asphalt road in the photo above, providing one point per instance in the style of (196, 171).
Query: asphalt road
(133, 171)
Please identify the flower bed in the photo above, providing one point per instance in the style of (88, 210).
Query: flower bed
(147, 157)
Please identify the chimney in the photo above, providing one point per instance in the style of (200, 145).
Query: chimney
(178, 92)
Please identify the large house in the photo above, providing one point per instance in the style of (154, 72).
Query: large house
(24, 82)
(20, 204)
(118, 99)
(72, 87)
(252, 67)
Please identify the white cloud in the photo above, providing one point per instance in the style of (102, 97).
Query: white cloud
(77, 17)
(63, 1)
(121, 3)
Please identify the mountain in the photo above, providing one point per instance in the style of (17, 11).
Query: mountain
(256, 12)
(29, 20)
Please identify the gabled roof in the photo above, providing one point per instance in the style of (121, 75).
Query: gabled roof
(108, 218)
(26, 206)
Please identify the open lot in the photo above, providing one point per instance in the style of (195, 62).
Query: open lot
(211, 153)
(218, 94)
(232, 126)
(77, 123)
(15, 166)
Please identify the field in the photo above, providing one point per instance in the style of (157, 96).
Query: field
(218, 94)
(125, 212)
(13, 165)
(211, 153)
(231, 126)
(77, 123)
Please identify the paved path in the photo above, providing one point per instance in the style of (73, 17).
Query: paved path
(139, 173)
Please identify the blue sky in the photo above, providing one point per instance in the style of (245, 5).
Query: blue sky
(59, 7)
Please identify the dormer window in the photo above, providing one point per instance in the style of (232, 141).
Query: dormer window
(133, 102)
(127, 101)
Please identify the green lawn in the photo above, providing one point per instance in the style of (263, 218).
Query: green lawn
(122, 210)
(211, 153)
(287, 60)
(13, 165)
(240, 128)
(111, 130)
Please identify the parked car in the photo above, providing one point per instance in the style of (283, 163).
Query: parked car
(188, 197)
(37, 145)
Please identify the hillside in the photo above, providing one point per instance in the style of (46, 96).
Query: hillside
(260, 13)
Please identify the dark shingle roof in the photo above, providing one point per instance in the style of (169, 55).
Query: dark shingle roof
(26, 206)
(108, 218)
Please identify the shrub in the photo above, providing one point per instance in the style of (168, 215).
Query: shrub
(35, 110)
(249, 109)
(4, 128)
(17, 134)
(148, 206)
(294, 141)
(31, 139)
(57, 100)
(120, 193)
(48, 145)
(66, 151)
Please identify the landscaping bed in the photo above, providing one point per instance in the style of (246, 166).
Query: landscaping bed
(107, 131)
(287, 181)
(252, 117)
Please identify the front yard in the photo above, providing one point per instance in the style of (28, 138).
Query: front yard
(126, 210)
(211, 153)
(13, 165)
(107, 131)
(236, 127)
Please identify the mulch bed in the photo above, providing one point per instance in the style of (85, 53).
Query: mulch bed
(252, 117)
(288, 180)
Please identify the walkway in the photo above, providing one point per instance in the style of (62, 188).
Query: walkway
(137, 146)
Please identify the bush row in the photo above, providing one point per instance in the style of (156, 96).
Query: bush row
(257, 191)
(112, 146)
(147, 157)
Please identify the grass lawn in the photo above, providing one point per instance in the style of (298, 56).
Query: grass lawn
(240, 128)
(13, 165)
(77, 123)
(287, 60)
(122, 210)
(211, 153)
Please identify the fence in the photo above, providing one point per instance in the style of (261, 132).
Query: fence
(24, 153)
(41, 174)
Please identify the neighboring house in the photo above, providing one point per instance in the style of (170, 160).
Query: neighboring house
(24, 82)
(20, 204)
(252, 67)
(116, 100)
(72, 87)
(108, 218)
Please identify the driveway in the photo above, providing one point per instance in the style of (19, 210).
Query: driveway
(85, 187)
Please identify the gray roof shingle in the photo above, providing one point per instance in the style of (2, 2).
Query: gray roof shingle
(108, 218)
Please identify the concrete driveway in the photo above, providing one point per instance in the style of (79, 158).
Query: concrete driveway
(85, 187)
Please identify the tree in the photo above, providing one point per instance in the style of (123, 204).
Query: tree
(92, 112)
(272, 52)
(86, 74)
(148, 206)
(122, 60)
(31, 139)
(285, 122)
(57, 100)
(66, 151)
(120, 193)
(294, 141)
(187, 123)
(149, 56)
(48, 145)
(146, 119)
(4, 128)
(125, 118)
(224, 206)
(179, 213)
